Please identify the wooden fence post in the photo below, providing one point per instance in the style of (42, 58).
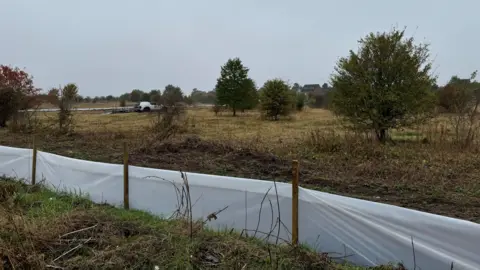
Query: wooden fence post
(295, 172)
(126, 202)
(34, 162)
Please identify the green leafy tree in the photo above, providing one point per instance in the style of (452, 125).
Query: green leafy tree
(145, 96)
(188, 100)
(300, 100)
(203, 97)
(155, 92)
(276, 99)
(251, 98)
(136, 95)
(233, 86)
(125, 97)
(461, 97)
(197, 96)
(172, 95)
(457, 95)
(386, 84)
(64, 98)
(156, 96)
(69, 93)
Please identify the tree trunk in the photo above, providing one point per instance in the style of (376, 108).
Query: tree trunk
(381, 135)
(234, 111)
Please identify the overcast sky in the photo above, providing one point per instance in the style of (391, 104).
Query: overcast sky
(113, 46)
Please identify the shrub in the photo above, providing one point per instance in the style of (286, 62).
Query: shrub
(168, 122)
(300, 101)
(462, 99)
(172, 95)
(64, 98)
(386, 84)
(276, 99)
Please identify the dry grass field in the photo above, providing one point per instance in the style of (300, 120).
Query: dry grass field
(423, 169)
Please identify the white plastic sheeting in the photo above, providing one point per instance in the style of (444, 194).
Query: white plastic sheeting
(369, 233)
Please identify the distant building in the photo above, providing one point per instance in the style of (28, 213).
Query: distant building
(318, 92)
(316, 89)
(310, 88)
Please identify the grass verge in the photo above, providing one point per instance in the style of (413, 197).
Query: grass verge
(41, 229)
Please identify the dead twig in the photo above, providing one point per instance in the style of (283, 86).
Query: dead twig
(54, 266)
(278, 209)
(246, 213)
(77, 231)
(414, 257)
(260, 211)
(267, 234)
(189, 202)
(72, 250)
(214, 215)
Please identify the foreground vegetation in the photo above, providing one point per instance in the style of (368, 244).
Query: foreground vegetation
(41, 229)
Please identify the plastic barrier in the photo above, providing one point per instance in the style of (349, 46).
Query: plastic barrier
(367, 233)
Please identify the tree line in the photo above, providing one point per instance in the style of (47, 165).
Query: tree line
(169, 95)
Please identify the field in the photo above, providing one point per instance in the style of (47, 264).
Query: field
(423, 169)
(41, 229)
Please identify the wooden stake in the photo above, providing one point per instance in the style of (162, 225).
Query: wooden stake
(126, 202)
(295, 172)
(34, 162)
